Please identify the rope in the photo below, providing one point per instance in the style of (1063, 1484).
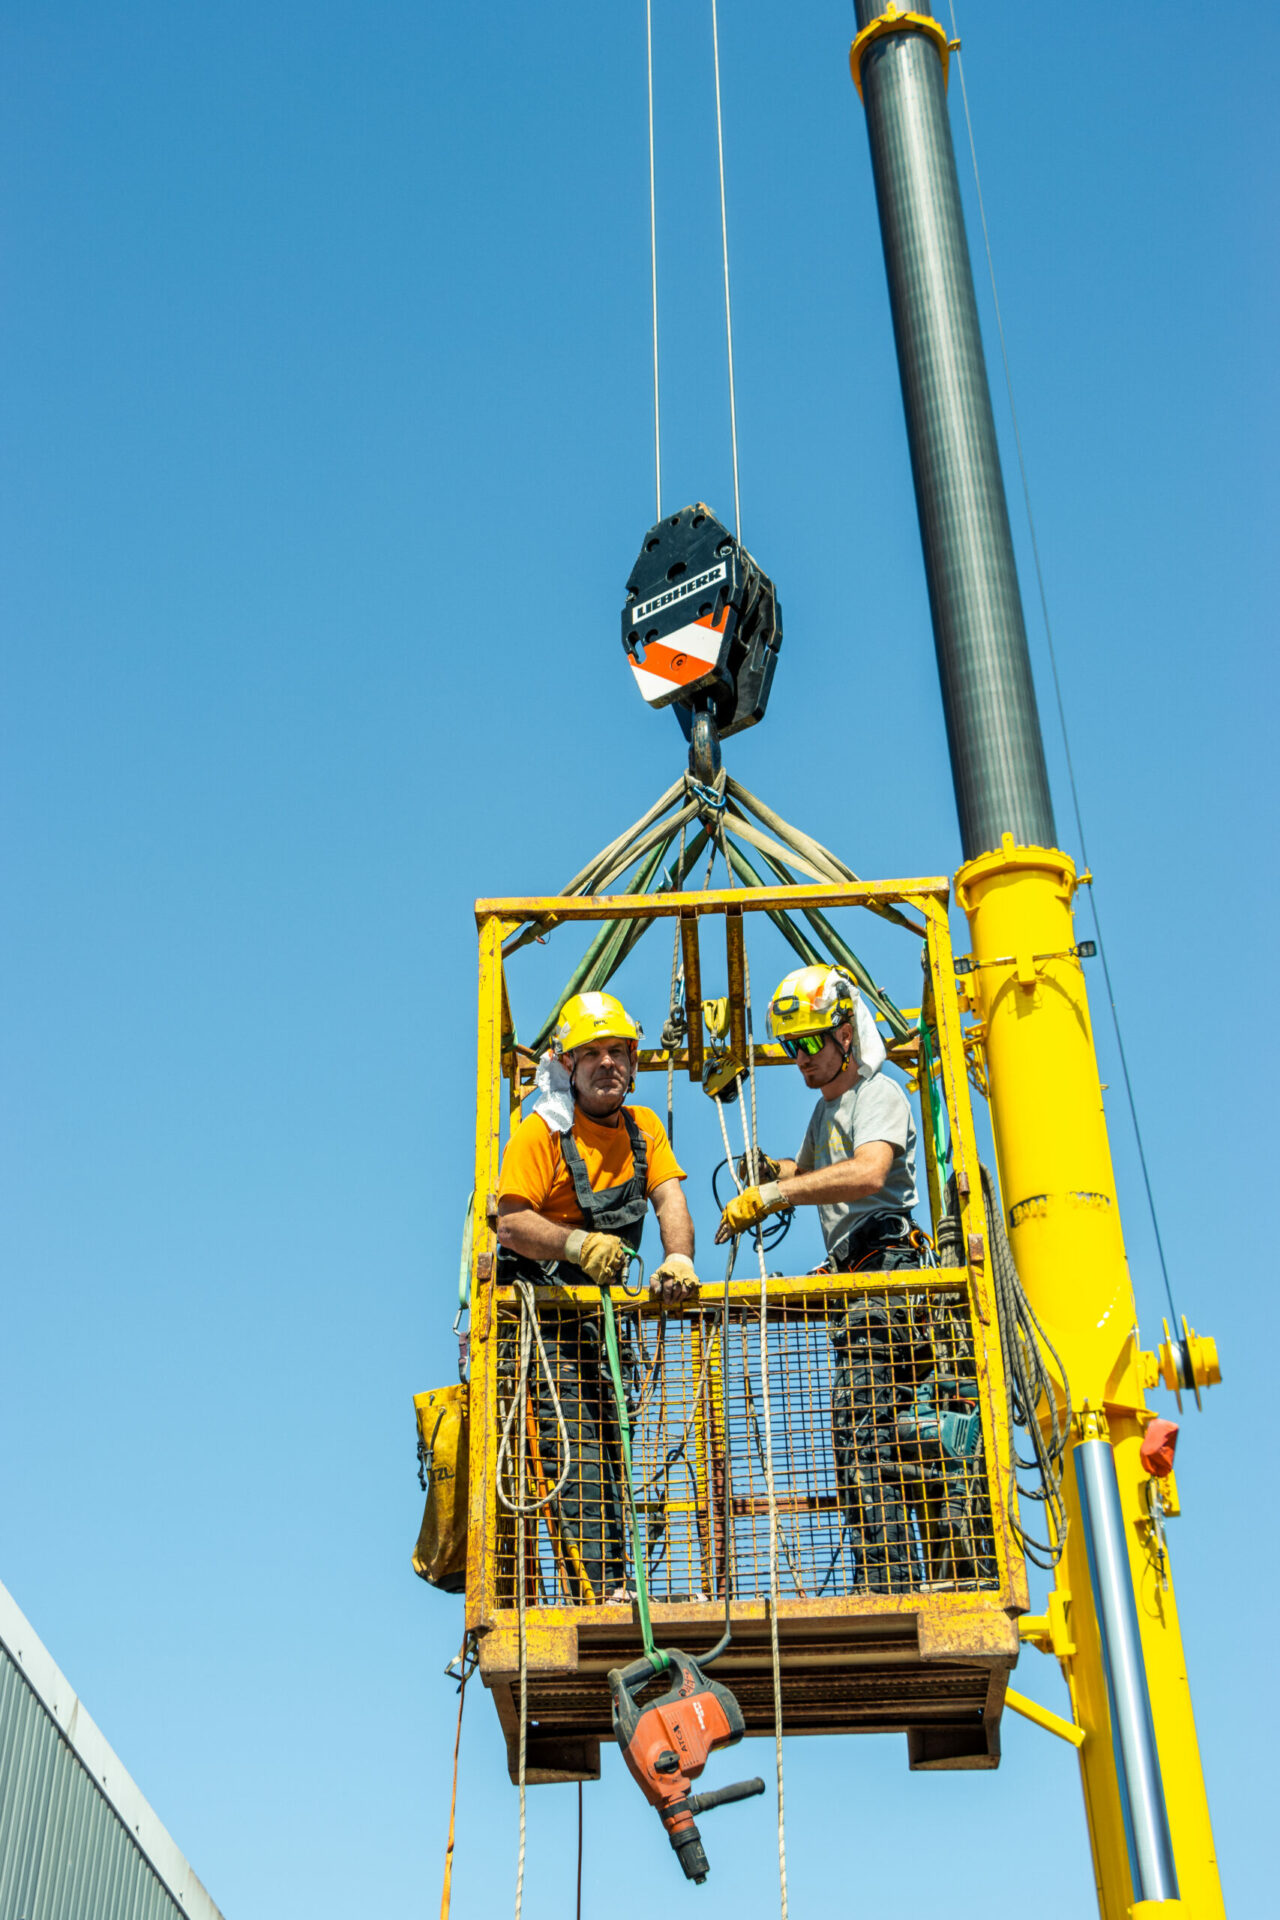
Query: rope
(514, 1499)
(578, 1908)
(752, 1166)
(513, 1496)
(653, 265)
(728, 305)
(466, 1667)
(750, 1138)
(524, 1650)
(656, 1659)
(671, 1031)
(1057, 688)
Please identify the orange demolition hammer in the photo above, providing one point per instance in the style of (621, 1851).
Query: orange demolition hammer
(666, 1743)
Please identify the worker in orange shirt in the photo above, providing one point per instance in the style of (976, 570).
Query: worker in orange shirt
(578, 1177)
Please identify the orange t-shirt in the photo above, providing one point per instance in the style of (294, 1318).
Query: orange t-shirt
(533, 1167)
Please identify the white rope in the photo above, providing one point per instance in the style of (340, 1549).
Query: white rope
(520, 1609)
(753, 1172)
(653, 268)
(728, 305)
(515, 1499)
(751, 1142)
(512, 1496)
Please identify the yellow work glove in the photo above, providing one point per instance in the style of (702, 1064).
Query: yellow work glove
(745, 1209)
(674, 1280)
(602, 1256)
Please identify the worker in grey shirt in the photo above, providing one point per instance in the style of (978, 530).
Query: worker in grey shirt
(857, 1164)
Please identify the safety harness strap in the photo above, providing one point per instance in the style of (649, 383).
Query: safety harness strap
(619, 1209)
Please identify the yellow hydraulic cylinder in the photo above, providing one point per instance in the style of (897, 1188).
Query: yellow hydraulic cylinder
(1027, 986)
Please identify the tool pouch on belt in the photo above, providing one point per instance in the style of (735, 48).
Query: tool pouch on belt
(444, 1432)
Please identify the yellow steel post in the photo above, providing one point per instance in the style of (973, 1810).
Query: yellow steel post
(483, 1462)
(1064, 1223)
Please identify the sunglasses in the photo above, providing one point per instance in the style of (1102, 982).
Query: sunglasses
(797, 1044)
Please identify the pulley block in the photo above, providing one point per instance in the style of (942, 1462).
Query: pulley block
(702, 625)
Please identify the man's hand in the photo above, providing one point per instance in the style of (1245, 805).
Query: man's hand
(602, 1256)
(674, 1281)
(766, 1168)
(747, 1208)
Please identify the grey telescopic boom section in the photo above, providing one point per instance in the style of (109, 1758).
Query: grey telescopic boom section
(993, 728)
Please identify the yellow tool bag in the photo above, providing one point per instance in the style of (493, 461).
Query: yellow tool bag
(444, 1431)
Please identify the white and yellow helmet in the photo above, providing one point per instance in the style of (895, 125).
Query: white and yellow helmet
(593, 1016)
(811, 1000)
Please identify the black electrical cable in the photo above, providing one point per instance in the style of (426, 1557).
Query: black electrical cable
(1029, 1385)
(774, 1230)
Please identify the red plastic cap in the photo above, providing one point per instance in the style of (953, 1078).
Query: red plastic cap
(1158, 1444)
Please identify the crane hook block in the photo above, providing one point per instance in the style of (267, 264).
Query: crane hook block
(702, 625)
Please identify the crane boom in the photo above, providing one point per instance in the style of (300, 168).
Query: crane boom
(1112, 1620)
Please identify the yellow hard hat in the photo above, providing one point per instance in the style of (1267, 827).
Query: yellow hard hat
(592, 1016)
(810, 1000)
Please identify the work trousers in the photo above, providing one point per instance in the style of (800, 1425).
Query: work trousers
(586, 1521)
(873, 1345)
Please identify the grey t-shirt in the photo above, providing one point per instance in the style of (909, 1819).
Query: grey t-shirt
(874, 1109)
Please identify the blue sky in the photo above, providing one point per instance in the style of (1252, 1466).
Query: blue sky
(328, 450)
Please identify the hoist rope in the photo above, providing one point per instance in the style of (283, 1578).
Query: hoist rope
(653, 267)
(728, 304)
(1057, 686)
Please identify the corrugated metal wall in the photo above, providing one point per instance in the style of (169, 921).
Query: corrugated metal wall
(64, 1852)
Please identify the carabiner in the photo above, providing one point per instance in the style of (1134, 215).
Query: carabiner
(633, 1293)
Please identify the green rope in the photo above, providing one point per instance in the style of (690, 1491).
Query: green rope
(464, 1264)
(657, 1659)
(941, 1150)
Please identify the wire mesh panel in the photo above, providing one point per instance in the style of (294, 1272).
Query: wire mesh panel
(880, 1477)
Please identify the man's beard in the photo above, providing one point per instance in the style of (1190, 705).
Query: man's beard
(599, 1106)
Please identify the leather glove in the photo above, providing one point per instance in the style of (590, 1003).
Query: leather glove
(767, 1168)
(745, 1209)
(602, 1256)
(674, 1281)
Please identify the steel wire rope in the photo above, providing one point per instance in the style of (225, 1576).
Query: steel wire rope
(1057, 685)
(653, 269)
(728, 304)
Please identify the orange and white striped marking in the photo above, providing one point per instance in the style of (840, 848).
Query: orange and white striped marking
(679, 658)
